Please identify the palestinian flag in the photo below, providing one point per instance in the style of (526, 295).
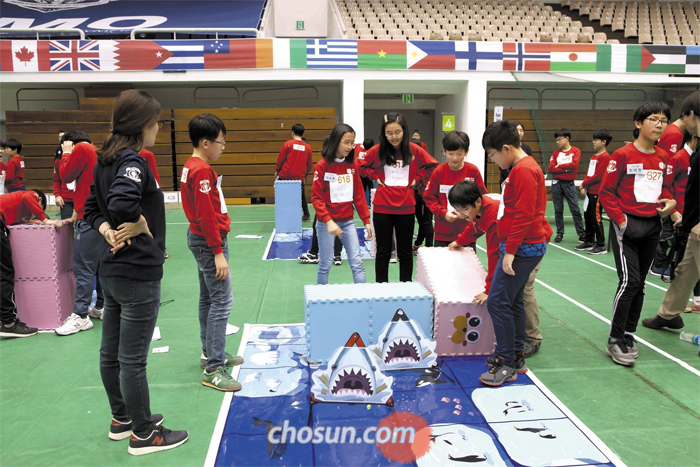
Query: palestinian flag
(381, 55)
(572, 57)
(663, 59)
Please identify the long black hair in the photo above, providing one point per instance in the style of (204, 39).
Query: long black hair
(387, 153)
(336, 135)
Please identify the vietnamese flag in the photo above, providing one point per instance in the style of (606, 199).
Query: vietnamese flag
(238, 53)
(381, 55)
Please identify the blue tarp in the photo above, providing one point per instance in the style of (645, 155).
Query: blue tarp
(119, 17)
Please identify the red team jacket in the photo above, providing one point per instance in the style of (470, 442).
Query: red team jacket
(671, 141)
(559, 166)
(435, 197)
(397, 198)
(622, 192)
(151, 161)
(21, 206)
(679, 168)
(486, 224)
(79, 166)
(294, 161)
(524, 204)
(596, 170)
(203, 203)
(60, 188)
(14, 178)
(330, 181)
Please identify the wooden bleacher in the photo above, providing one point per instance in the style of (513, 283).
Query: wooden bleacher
(581, 124)
(253, 141)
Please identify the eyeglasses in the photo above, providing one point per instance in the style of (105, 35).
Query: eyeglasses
(559, 140)
(398, 134)
(348, 144)
(160, 124)
(222, 143)
(656, 121)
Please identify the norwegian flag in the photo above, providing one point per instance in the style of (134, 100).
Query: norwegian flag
(74, 55)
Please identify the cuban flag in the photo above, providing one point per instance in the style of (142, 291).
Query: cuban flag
(74, 55)
(328, 53)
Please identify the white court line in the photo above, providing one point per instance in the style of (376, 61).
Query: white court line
(213, 451)
(597, 442)
(605, 320)
(232, 222)
(269, 245)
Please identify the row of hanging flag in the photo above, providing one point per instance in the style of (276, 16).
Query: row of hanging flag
(226, 54)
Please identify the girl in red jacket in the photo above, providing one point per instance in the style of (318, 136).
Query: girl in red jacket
(397, 166)
(336, 188)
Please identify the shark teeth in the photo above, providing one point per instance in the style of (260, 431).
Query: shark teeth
(356, 372)
(403, 342)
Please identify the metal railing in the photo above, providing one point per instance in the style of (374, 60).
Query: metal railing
(174, 31)
(46, 31)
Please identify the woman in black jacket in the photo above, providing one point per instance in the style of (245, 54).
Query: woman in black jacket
(126, 206)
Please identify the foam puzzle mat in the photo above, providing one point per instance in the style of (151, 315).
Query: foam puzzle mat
(290, 246)
(519, 424)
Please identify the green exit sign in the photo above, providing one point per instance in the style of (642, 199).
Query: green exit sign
(408, 98)
(300, 25)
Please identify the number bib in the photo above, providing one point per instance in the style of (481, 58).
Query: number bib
(71, 185)
(396, 176)
(224, 209)
(341, 187)
(591, 168)
(564, 158)
(445, 189)
(647, 186)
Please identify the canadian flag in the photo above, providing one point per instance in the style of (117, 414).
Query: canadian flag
(21, 56)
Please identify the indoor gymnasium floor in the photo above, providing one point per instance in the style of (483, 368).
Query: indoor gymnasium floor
(54, 412)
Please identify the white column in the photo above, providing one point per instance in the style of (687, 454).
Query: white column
(473, 120)
(354, 106)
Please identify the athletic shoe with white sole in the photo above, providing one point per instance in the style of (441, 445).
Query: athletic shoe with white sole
(599, 250)
(96, 313)
(160, 439)
(17, 329)
(221, 381)
(73, 324)
(631, 345)
(499, 374)
(230, 360)
(619, 353)
(122, 430)
(308, 258)
(337, 260)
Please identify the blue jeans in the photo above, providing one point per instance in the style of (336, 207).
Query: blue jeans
(12, 190)
(506, 307)
(352, 248)
(86, 257)
(215, 301)
(131, 310)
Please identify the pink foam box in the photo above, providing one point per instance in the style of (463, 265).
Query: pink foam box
(40, 251)
(45, 303)
(454, 277)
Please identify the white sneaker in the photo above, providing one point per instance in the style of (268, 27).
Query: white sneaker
(74, 323)
(96, 313)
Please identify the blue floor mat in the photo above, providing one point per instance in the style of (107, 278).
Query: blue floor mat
(291, 246)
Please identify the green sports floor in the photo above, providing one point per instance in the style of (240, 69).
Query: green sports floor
(54, 412)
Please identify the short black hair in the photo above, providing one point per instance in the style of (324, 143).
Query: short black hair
(13, 144)
(42, 199)
(650, 108)
(61, 131)
(368, 143)
(75, 137)
(455, 140)
(687, 137)
(205, 126)
(603, 135)
(692, 102)
(564, 133)
(499, 134)
(464, 194)
(517, 123)
(416, 131)
(298, 129)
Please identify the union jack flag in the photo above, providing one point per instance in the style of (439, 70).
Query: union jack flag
(74, 55)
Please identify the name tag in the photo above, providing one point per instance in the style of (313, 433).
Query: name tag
(591, 168)
(634, 169)
(564, 158)
(341, 188)
(396, 175)
(648, 185)
(21, 164)
(183, 178)
(299, 147)
(330, 177)
(445, 188)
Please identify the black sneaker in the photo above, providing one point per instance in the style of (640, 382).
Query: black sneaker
(559, 238)
(337, 260)
(160, 439)
(582, 239)
(494, 360)
(520, 365)
(308, 258)
(305, 218)
(530, 349)
(122, 430)
(631, 345)
(657, 322)
(599, 250)
(17, 329)
(585, 246)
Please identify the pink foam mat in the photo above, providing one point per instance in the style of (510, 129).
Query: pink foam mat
(45, 303)
(454, 278)
(40, 251)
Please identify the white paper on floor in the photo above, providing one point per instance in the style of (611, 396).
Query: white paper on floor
(249, 236)
(156, 334)
(162, 349)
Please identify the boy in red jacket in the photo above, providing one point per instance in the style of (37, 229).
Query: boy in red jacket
(15, 208)
(77, 167)
(635, 193)
(14, 178)
(448, 223)
(295, 162)
(593, 210)
(563, 166)
(61, 191)
(205, 208)
(521, 228)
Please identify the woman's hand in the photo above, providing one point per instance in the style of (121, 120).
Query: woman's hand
(130, 230)
(334, 229)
